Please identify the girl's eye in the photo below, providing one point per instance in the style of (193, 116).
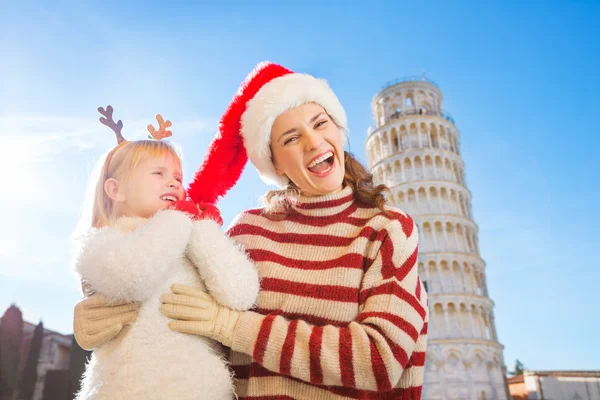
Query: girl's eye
(179, 180)
(158, 173)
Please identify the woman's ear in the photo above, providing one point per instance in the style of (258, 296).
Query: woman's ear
(277, 170)
(111, 188)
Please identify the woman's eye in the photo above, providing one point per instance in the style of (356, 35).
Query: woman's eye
(158, 173)
(320, 123)
(292, 139)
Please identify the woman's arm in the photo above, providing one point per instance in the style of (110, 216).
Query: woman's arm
(229, 275)
(370, 353)
(128, 265)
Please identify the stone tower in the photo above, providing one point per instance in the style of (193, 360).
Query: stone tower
(415, 150)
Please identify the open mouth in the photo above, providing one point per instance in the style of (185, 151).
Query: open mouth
(169, 198)
(322, 164)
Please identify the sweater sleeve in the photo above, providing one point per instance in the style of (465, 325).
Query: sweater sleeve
(370, 353)
(229, 275)
(129, 265)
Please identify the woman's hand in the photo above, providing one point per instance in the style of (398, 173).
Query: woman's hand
(198, 211)
(210, 211)
(197, 313)
(98, 319)
(188, 207)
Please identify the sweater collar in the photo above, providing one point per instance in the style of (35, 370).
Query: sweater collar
(324, 206)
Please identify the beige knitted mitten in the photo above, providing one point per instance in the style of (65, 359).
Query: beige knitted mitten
(98, 319)
(197, 313)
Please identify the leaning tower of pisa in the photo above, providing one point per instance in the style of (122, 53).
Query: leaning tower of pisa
(415, 150)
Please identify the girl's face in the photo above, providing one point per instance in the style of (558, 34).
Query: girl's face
(307, 147)
(155, 184)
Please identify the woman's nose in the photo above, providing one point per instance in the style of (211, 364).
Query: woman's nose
(313, 140)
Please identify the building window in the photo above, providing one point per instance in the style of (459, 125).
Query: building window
(425, 286)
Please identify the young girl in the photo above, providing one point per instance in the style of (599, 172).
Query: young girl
(140, 244)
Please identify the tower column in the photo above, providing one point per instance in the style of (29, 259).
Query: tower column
(430, 286)
(494, 326)
(447, 321)
(441, 281)
(463, 273)
(428, 198)
(474, 323)
(469, 319)
(456, 239)
(470, 388)
(446, 241)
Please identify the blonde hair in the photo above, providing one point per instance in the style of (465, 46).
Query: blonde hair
(118, 163)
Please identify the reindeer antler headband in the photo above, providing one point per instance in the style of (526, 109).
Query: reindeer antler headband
(110, 122)
(116, 127)
(162, 129)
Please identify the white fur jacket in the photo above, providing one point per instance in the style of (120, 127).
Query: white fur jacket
(138, 260)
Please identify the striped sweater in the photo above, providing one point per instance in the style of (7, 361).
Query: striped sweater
(342, 312)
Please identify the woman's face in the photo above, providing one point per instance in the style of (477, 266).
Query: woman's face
(307, 147)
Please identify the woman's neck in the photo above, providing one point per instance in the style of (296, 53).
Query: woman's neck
(325, 205)
(305, 194)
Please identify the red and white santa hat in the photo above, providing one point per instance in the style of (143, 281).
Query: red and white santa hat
(245, 127)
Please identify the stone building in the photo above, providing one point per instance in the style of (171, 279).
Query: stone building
(555, 385)
(415, 150)
(60, 363)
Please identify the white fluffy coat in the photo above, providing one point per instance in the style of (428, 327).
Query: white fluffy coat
(138, 260)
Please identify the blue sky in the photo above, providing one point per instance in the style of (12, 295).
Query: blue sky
(521, 81)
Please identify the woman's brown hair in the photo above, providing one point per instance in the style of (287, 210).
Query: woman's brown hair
(278, 202)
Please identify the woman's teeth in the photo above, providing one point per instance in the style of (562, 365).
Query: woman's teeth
(320, 159)
(169, 198)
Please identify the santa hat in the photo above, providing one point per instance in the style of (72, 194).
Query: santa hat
(245, 127)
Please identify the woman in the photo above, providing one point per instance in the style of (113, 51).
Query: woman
(342, 312)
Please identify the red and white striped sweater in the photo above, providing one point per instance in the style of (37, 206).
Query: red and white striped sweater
(341, 313)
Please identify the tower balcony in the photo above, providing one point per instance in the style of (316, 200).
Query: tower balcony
(410, 78)
(420, 111)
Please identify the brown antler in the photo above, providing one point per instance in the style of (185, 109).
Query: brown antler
(162, 128)
(108, 121)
